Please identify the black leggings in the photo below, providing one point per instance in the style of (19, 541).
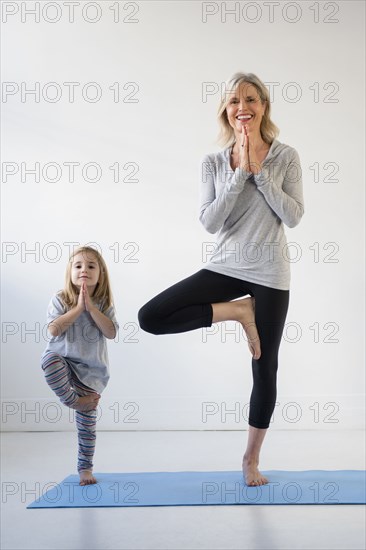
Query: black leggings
(187, 306)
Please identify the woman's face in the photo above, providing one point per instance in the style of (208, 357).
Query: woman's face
(245, 100)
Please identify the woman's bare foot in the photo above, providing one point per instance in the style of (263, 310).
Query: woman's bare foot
(252, 475)
(86, 477)
(86, 403)
(247, 319)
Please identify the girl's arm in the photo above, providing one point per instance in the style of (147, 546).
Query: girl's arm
(63, 322)
(105, 325)
(59, 325)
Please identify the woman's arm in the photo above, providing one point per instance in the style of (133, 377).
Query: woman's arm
(288, 202)
(214, 211)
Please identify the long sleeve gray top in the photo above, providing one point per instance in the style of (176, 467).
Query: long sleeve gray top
(248, 211)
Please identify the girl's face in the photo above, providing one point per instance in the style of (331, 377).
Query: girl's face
(85, 267)
(245, 101)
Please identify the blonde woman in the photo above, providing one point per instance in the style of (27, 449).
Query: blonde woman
(249, 190)
(75, 363)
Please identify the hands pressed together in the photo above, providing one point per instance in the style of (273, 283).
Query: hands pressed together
(84, 300)
(247, 155)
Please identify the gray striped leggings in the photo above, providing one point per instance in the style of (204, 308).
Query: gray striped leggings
(63, 381)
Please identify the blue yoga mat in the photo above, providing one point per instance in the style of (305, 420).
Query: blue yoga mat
(206, 488)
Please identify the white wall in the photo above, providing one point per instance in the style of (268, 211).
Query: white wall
(171, 54)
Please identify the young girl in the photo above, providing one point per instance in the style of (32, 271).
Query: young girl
(75, 363)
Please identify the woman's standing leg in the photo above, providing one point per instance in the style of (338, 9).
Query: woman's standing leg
(271, 307)
(270, 316)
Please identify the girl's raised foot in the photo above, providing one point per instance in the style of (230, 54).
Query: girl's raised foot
(86, 403)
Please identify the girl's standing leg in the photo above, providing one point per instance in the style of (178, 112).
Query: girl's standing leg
(73, 394)
(86, 426)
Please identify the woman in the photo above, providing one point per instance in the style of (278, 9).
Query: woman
(248, 190)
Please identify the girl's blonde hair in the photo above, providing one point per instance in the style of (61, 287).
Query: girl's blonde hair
(102, 293)
(269, 131)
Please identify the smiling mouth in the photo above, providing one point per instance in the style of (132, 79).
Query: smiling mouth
(244, 119)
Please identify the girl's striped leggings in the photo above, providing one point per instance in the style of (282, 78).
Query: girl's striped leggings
(64, 382)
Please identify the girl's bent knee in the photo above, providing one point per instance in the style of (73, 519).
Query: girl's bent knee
(50, 357)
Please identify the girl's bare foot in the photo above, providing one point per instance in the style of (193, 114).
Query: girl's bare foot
(86, 403)
(252, 475)
(86, 477)
(247, 319)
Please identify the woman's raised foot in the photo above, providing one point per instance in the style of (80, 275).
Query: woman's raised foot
(247, 319)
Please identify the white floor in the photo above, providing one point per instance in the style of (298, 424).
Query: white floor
(31, 460)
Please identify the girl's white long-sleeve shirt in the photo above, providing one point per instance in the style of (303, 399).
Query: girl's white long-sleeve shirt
(248, 213)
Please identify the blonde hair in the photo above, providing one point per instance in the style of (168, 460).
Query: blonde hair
(269, 131)
(102, 293)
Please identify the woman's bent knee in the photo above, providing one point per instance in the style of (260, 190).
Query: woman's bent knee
(147, 320)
